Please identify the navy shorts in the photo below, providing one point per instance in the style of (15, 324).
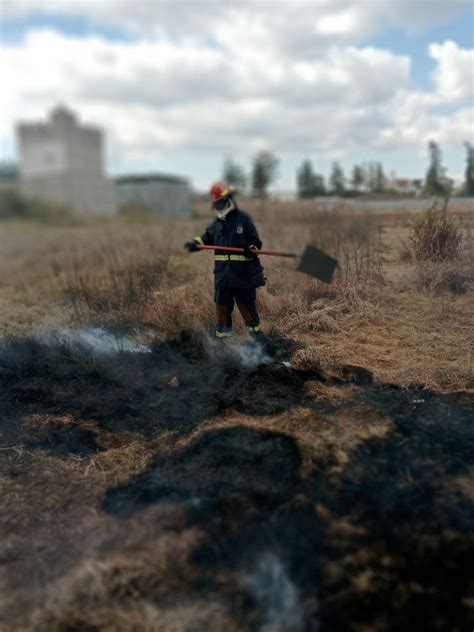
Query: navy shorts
(227, 295)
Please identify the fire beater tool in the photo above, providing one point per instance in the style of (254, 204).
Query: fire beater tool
(313, 261)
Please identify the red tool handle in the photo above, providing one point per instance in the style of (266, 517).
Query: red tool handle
(272, 253)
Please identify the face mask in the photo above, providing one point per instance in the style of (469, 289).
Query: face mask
(226, 207)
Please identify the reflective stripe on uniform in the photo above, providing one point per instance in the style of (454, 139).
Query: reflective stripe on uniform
(199, 241)
(231, 258)
(240, 258)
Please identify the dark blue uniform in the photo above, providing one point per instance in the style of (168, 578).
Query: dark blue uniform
(236, 276)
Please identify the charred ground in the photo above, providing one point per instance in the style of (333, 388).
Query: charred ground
(221, 488)
(174, 387)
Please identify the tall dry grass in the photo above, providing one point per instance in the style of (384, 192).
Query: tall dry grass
(435, 235)
(136, 277)
(441, 251)
(151, 281)
(118, 290)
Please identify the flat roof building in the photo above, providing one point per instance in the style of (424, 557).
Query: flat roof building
(161, 194)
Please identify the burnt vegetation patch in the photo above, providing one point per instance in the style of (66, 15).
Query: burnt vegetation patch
(385, 541)
(64, 441)
(175, 386)
(380, 537)
(234, 462)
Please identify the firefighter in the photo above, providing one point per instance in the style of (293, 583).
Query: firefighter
(237, 275)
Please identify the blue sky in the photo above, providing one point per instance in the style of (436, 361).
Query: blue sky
(459, 28)
(14, 29)
(179, 86)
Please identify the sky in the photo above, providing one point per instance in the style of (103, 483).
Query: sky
(179, 86)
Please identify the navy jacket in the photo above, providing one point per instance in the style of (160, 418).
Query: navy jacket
(234, 270)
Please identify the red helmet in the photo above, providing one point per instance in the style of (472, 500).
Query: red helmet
(220, 190)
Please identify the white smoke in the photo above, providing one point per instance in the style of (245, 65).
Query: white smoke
(95, 339)
(252, 355)
(277, 595)
(248, 354)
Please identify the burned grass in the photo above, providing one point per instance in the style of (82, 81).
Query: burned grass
(379, 542)
(217, 487)
(144, 392)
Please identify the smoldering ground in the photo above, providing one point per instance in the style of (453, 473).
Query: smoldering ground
(238, 521)
(174, 388)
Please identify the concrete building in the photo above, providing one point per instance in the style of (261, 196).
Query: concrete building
(161, 194)
(61, 162)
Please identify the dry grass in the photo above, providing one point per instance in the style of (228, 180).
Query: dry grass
(440, 249)
(408, 337)
(389, 316)
(434, 277)
(435, 235)
(123, 593)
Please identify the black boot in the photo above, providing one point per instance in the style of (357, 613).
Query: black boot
(223, 331)
(253, 327)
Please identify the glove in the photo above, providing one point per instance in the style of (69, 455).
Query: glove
(191, 246)
(249, 252)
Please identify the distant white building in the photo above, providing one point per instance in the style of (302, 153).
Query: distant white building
(159, 193)
(406, 185)
(61, 162)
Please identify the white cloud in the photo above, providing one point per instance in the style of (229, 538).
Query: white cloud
(297, 23)
(454, 74)
(198, 96)
(220, 78)
(339, 23)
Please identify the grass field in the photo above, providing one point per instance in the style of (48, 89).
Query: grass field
(154, 480)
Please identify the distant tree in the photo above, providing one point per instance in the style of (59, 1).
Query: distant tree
(469, 173)
(436, 182)
(374, 177)
(379, 178)
(264, 172)
(357, 177)
(319, 186)
(304, 180)
(337, 180)
(8, 170)
(309, 184)
(234, 174)
(369, 176)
